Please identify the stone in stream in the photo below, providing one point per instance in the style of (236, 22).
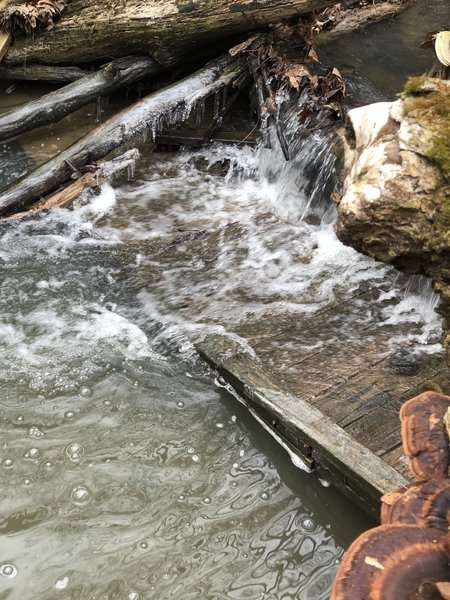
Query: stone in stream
(395, 205)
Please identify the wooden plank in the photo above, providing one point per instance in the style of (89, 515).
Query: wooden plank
(358, 465)
(380, 428)
(375, 388)
(397, 459)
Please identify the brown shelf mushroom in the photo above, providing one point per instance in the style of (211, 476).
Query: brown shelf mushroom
(392, 562)
(435, 591)
(424, 504)
(424, 435)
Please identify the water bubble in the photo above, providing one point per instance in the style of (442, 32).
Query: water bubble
(74, 451)
(190, 450)
(219, 425)
(80, 495)
(180, 404)
(233, 418)
(308, 524)
(32, 454)
(27, 482)
(8, 463)
(8, 570)
(19, 418)
(235, 465)
(85, 392)
(48, 465)
(233, 484)
(35, 432)
(136, 384)
(181, 497)
(133, 596)
(143, 545)
(264, 496)
(107, 402)
(207, 500)
(69, 414)
(195, 458)
(61, 584)
(241, 453)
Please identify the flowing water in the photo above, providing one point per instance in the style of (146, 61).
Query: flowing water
(127, 471)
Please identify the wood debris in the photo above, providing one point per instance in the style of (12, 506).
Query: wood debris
(31, 16)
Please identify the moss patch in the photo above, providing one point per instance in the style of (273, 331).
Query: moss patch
(428, 101)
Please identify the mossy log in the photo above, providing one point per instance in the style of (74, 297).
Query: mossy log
(57, 104)
(172, 103)
(170, 31)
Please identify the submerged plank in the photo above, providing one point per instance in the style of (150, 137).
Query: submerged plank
(358, 471)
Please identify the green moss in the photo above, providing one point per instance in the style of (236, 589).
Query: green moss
(430, 106)
(414, 86)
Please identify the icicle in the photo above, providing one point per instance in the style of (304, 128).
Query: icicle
(98, 110)
(216, 110)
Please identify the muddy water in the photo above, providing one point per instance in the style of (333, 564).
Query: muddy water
(126, 470)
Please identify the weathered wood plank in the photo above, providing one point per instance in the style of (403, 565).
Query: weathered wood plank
(380, 428)
(357, 463)
(377, 386)
(397, 459)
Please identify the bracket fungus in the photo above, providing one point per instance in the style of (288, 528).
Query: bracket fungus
(408, 556)
(392, 562)
(424, 504)
(424, 435)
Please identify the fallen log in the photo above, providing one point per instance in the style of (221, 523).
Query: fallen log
(50, 73)
(341, 20)
(173, 103)
(170, 31)
(84, 187)
(54, 106)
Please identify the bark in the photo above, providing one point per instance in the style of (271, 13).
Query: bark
(171, 31)
(53, 74)
(346, 21)
(83, 187)
(174, 102)
(54, 106)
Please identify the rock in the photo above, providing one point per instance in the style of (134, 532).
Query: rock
(395, 204)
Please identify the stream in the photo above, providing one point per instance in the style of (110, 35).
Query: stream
(127, 470)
